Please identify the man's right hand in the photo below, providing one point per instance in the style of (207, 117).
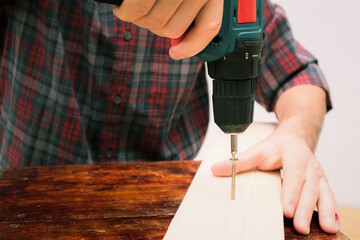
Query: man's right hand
(172, 18)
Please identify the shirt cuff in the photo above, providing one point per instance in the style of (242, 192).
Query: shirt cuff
(310, 75)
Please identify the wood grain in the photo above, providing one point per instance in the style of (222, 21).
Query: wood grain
(134, 196)
(71, 229)
(116, 201)
(350, 221)
(207, 211)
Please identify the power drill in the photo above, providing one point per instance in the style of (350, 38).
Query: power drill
(233, 59)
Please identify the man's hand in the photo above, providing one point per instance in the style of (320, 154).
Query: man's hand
(304, 182)
(291, 147)
(172, 18)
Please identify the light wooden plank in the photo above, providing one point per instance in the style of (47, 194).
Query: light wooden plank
(350, 222)
(207, 211)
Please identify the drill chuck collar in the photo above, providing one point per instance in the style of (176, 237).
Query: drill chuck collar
(234, 86)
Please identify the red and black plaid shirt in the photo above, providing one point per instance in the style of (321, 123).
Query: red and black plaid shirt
(79, 86)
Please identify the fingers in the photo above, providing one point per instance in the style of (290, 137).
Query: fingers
(130, 10)
(257, 156)
(302, 189)
(224, 168)
(246, 160)
(307, 202)
(160, 14)
(329, 222)
(207, 25)
(180, 20)
(293, 181)
(172, 18)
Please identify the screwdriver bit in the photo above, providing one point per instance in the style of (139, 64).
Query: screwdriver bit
(233, 144)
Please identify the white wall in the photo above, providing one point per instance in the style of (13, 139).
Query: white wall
(331, 31)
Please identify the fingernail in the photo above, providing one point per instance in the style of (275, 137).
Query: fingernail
(337, 221)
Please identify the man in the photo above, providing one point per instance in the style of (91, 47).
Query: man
(77, 85)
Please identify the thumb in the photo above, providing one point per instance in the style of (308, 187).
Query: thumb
(248, 159)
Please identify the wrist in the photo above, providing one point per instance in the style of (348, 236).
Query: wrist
(301, 112)
(293, 130)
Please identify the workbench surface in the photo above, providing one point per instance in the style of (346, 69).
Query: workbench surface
(111, 201)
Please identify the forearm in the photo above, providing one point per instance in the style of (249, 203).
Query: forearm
(300, 111)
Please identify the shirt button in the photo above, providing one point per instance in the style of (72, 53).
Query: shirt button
(127, 36)
(108, 153)
(117, 99)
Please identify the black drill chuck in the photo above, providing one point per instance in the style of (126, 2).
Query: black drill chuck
(233, 102)
(234, 86)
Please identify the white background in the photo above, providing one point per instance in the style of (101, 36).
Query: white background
(331, 31)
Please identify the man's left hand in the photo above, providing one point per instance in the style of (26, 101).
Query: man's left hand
(304, 181)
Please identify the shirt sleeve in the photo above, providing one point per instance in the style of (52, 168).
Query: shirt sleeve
(285, 63)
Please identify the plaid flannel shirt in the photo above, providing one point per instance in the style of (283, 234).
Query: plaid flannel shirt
(79, 86)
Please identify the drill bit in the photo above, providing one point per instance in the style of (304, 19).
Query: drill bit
(233, 159)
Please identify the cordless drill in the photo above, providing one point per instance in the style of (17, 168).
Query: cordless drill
(233, 59)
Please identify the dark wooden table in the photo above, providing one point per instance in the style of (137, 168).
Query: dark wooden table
(112, 201)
